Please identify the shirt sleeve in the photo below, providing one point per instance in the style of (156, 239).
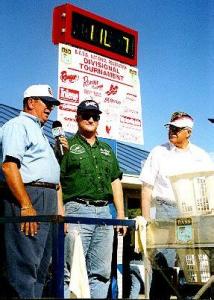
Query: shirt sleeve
(14, 140)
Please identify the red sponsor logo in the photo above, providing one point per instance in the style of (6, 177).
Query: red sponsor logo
(69, 95)
(70, 119)
(67, 107)
(108, 129)
(68, 77)
(130, 120)
(112, 90)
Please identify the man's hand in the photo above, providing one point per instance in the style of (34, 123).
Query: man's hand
(121, 230)
(118, 202)
(64, 143)
(29, 228)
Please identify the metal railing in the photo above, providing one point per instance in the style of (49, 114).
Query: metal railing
(58, 240)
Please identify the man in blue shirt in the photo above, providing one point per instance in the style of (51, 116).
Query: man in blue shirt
(31, 174)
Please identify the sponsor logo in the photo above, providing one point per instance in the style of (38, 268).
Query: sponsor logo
(92, 93)
(131, 97)
(69, 119)
(94, 84)
(112, 101)
(77, 149)
(133, 72)
(57, 131)
(69, 95)
(105, 152)
(66, 77)
(66, 55)
(67, 107)
(130, 120)
(112, 90)
(108, 129)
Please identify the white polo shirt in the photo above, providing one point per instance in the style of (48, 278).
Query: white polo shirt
(166, 160)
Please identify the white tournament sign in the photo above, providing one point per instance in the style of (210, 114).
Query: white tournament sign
(115, 86)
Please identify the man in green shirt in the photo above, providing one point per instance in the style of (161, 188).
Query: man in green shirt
(90, 178)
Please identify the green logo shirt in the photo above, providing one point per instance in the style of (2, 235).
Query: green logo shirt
(88, 171)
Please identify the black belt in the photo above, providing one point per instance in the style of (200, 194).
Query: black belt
(43, 185)
(90, 202)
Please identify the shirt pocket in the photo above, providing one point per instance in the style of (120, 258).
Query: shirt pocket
(79, 163)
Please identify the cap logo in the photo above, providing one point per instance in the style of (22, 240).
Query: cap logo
(88, 103)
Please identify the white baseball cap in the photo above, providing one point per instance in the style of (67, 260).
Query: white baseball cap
(42, 91)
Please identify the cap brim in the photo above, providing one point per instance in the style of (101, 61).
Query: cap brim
(180, 124)
(168, 124)
(51, 100)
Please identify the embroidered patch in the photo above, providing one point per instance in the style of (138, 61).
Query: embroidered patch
(105, 152)
(77, 149)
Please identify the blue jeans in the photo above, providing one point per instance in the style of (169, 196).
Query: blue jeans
(165, 212)
(97, 243)
(28, 258)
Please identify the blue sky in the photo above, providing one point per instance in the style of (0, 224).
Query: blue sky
(175, 56)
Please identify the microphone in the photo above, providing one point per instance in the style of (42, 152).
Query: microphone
(57, 132)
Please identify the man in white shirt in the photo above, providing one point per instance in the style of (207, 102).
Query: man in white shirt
(177, 156)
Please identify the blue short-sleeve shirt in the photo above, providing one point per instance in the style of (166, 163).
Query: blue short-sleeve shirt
(23, 139)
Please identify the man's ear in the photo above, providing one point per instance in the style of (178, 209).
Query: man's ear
(77, 117)
(29, 105)
(189, 133)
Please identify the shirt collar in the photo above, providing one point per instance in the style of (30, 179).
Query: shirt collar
(32, 117)
(84, 139)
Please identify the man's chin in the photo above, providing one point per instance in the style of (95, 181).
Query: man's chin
(46, 116)
(90, 129)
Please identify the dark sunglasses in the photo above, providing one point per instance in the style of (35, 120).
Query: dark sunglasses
(47, 103)
(175, 129)
(88, 116)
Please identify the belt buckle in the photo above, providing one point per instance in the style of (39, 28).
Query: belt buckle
(101, 203)
(104, 203)
(87, 202)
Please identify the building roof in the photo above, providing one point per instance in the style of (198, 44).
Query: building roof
(129, 157)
